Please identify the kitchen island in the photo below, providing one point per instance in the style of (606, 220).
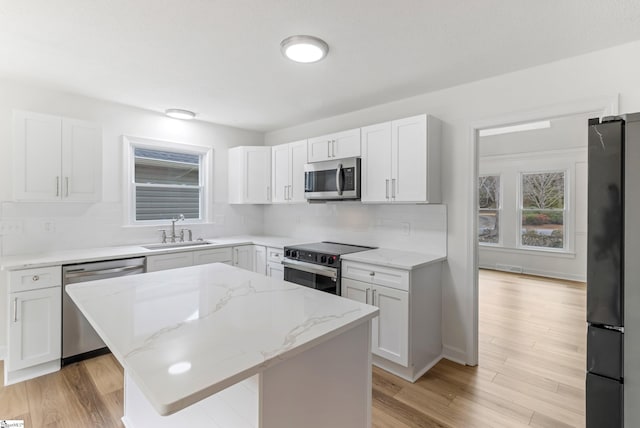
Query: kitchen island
(217, 346)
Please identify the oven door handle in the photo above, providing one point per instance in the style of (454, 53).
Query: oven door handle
(311, 268)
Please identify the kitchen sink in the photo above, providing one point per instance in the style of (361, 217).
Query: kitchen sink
(169, 245)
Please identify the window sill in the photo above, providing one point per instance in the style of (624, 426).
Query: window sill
(167, 223)
(531, 251)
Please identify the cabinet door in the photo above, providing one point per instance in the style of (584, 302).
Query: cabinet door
(356, 290)
(409, 159)
(275, 270)
(243, 257)
(37, 142)
(376, 163)
(260, 259)
(297, 157)
(216, 255)
(257, 175)
(81, 178)
(391, 332)
(169, 261)
(280, 172)
(34, 327)
(346, 144)
(319, 148)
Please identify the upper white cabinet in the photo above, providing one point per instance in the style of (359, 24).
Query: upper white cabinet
(56, 159)
(401, 161)
(287, 165)
(250, 175)
(339, 145)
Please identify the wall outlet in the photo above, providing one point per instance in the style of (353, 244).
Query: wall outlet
(10, 227)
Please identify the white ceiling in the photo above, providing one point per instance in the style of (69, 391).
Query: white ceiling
(221, 58)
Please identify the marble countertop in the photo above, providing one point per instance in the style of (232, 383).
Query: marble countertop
(394, 258)
(105, 253)
(185, 334)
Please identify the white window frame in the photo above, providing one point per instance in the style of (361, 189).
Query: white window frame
(130, 143)
(498, 209)
(567, 226)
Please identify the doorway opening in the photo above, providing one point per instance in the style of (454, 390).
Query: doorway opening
(529, 258)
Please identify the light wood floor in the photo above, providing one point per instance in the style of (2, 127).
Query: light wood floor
(531, 372)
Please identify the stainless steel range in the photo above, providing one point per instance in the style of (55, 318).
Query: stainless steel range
(317, 265)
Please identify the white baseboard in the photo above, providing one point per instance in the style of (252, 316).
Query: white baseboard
(454, 354)
(536, 272)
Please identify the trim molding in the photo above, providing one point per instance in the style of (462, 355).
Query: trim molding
(456, 355)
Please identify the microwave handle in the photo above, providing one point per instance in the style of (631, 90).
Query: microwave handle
(339, 184)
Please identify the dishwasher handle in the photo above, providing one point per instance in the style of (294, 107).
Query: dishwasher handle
(82, 273)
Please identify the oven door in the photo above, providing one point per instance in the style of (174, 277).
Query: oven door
(313, 276)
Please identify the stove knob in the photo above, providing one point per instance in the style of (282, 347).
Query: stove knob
(294, 254)
(323, 259)
(332, 260)
(287, 253)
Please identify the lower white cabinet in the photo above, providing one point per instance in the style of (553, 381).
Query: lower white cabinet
(215, 255)
(260, 259)
(34, 327)
(389, 332)
(275, 270)
(169, 261)
(34, 323)
(406, 336)
(243, 257)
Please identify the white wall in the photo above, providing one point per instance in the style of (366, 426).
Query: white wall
(56, 226)
(602, 73)
(561, 147)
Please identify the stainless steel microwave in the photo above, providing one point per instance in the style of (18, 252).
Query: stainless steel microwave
(332, 180)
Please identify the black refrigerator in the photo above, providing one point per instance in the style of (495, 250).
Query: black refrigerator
(613, 273)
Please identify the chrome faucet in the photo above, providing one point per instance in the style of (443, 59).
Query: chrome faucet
(173, 227)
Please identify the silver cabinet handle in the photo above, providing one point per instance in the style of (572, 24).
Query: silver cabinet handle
(387, 188)
(35, 278)
(329, 148)
(373, 296)
(290, 192)
(236, 260)
(66, 179)
(285, 193)
(393, 188)
(268, 193)
(333, 148)
(57, 185)
(15, 309)
(366, 296)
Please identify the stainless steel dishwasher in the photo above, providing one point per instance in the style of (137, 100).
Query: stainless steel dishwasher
(79, 339)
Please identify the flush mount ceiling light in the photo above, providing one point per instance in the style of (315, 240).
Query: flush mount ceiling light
(177, 113)
(306, 49)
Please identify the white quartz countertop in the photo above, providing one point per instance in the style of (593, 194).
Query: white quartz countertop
(105, 253)
(394, 258)
(185, 334)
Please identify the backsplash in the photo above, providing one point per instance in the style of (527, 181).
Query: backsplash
(52, 227)
(420, 228)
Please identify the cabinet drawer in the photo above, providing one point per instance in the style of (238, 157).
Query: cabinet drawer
(217, 255)
(389, 277)
(33, 279)
(275, 254)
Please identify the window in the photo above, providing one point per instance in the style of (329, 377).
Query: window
(166, 180)
(489, 209)
(542, 210)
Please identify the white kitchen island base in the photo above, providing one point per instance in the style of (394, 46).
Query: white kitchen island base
(328, 385)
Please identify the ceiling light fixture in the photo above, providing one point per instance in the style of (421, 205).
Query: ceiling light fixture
(177, 113)
(305, 49)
